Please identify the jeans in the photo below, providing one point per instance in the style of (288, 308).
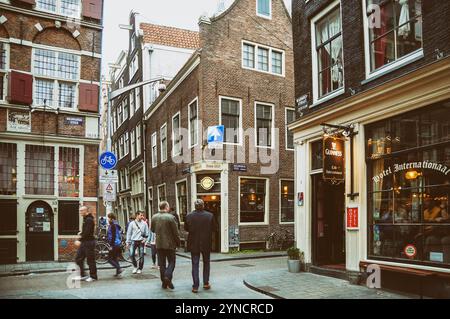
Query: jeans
(113, 257)
(166, 270)
(153, 248)
(140, 247)
(195, 257)
(87, 251)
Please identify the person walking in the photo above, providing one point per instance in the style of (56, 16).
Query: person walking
(200, 225)
(86, 246)
(131, 219)
(152, 241)
(165, 227)
(137, 236)
(115, 240)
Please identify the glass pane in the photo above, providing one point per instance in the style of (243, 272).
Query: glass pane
(437, 244)
(263, 59)
(382, 208)
(383, 50)
(317, 155)
(409, 37)
(407, 206)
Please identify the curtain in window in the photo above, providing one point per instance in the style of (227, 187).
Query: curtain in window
(405, 28)
(336, 49)
(380, 44)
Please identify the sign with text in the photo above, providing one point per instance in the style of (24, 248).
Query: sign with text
(239, 167)
(19, 121)
(109, 192)
(109, 176)
(334, 158)
(74, 121)
(352, 218)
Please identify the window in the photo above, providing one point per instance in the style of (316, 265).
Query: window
(68, 218)
(253, 200)
(264, 124)
(193, 123)
(287, 201)
(3, 70)
(8, 226)
(231, 119)
(329, 62)
(138, 98)
(39, 170)
(262, 58)
(8, 169)
(71, 8)
(125, 107)
(176, 138)
(120, 114)
(264, 8)
(408, 187)
(132, 105)
(290, 118)
(56, 75)
(126, 144)
(154, 150)
(133, 145)
(150, 202)
(162, 195)
(133, 42)
(317, 155)
(138, 140)
(249, 56)
(69, 172)
(394, 30)
(121, 147)
(163, 137)
(182, 202)
(134, 67)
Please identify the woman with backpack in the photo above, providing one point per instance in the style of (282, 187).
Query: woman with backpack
(115, 240)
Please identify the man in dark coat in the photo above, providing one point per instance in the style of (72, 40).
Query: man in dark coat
(86, 244)
(200, 224)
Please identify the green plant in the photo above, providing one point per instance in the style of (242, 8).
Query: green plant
(295, 254)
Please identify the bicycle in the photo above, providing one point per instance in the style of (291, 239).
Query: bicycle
(102, 249)
(280, 240)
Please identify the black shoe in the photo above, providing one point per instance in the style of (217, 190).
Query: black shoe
(164, 285)
(169, 283)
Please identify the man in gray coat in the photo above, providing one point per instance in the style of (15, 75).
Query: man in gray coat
(165, 227)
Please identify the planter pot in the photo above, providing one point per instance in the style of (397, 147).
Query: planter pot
(294, 266)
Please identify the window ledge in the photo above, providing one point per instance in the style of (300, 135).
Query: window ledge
(389, 68)
(328, 98)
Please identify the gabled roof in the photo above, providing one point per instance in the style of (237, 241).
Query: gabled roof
(170, 36)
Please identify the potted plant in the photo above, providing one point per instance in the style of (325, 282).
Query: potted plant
(295, 260)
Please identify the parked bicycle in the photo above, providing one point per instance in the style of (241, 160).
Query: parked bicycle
(280, 240)
(102, 249)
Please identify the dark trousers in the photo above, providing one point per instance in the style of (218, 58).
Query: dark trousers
(87, 251)
(139, 246)
(113, 257)
(153, 248)
(166, 263)
(195, 258)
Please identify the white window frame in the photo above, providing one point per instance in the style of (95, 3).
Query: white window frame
(56, 80)
(196, 123)
(164, 155)
(59, 9)
(184, 180)
(138, 140)
(132, 104)
(405, 60)
(315, 59)
(263, 15)
(134, 67)
(240, 130)
(255, 62)
(154, 147)
(279, 200)
(287, 129)
(151, 198)
(133, 144)
(126, 144)
(272, 133)
(267, 202)
(165, 190)
(173, 135)
(137, 99)
(5, 71)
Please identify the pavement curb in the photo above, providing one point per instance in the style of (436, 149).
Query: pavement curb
(238, 258)
(262, 291)
(46, 271)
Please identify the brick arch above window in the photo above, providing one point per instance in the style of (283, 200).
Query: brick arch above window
(57, 37)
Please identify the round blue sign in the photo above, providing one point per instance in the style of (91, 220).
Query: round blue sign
(108, 160)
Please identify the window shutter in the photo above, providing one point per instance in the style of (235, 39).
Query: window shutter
(33, 2)
(20, 88)
(92, 9)
(89, 95)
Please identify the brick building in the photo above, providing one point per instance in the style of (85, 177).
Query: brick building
(50, 57)
(241, 77)
(380, 70)
(154, 52)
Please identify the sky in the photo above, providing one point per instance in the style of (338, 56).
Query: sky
(176, 13)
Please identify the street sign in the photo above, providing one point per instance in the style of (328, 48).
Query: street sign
(216, 137)
(109, 192)
(109, 176)
(108, 160)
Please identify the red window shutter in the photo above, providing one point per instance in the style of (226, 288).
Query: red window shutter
(88, 99)
(92, 9)
(20, 88)
(27, 1)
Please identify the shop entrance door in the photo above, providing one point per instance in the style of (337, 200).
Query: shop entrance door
(328, 223)
(213, 205)
(40, 225)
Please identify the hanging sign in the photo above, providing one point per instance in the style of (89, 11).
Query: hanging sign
(334, 158)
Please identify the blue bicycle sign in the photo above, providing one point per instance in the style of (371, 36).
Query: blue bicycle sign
(108, 161)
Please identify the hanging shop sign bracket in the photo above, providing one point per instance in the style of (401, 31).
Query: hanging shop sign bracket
(347, 132)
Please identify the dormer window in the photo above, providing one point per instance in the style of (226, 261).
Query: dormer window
(264, 8)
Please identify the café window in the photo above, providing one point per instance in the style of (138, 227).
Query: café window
(39, 170)
(182, 202)
(395, 30)
(68, 218)
(253, 200)
(409, 187)
(8, 169)
(69, 172)
(287, 199)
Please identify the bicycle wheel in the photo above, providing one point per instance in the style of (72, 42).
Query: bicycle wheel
(101, 253)
(126, 256)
